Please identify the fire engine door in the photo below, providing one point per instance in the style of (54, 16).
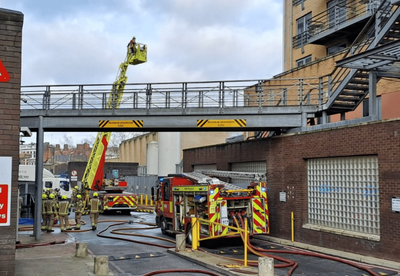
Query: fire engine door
(259, 220)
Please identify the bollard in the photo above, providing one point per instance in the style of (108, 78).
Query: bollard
(146, 198)
(141, 199)
(266, 266)
(81, 250)
(101, 265)
(180, 242)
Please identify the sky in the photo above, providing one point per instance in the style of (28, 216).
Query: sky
(83, 42)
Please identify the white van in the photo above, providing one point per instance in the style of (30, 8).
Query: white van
(26, 176)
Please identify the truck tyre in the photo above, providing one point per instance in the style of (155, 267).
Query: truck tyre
(189, 236)
(164, 226)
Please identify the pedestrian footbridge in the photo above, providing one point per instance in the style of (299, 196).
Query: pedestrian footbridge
(187, 106)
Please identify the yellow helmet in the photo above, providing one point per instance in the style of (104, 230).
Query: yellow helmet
(44, 196)
(79, 196)
(51, 196)
(76, 188)
(64, 197)
(95, 194)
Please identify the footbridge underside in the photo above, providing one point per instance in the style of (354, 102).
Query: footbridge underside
(130, 120)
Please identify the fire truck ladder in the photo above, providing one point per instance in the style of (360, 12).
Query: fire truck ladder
(93, 175)
(207, 177)
(237, 175)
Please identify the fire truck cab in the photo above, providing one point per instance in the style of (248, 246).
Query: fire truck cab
(179, 198)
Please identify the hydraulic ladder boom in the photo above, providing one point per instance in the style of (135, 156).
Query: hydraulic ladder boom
(93, 176)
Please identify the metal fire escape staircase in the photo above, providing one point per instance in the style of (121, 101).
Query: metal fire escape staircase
(370, 57)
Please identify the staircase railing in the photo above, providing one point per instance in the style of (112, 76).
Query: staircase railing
(365, 40)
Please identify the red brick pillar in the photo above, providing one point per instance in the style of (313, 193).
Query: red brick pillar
(10, 55)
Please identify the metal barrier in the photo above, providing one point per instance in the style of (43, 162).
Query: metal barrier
(196, 233)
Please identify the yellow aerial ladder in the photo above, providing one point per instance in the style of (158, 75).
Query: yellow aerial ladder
(93, 176)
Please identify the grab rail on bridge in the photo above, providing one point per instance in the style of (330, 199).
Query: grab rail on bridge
(180, 95)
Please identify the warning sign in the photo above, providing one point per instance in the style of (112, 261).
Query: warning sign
(4, 204)
(5, 190)
(222, 123)
(121, 124)
(4, 76)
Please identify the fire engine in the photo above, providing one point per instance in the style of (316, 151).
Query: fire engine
(112, 192)
(180, 197)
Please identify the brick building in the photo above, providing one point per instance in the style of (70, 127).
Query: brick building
(10, 55)
(342, 184)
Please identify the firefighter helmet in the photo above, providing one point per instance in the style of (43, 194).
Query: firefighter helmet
(79, 196)
(51, 196)
(64, 197)
(95, 194)
(44, 196)
(76, 188)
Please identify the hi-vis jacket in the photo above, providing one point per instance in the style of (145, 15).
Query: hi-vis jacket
(51, 207)
(95, 205)
(63, 207)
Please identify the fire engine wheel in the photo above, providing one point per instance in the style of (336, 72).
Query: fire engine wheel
(189, 237)
(164, 226)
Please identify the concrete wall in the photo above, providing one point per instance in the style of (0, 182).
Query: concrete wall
(10, 54)
(287, 166)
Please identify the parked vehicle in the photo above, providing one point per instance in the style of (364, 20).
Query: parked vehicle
(181, 197)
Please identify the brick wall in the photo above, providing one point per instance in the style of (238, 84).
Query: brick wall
(10, 55)
(287, 171)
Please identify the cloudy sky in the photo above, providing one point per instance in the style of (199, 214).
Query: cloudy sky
(83, 42)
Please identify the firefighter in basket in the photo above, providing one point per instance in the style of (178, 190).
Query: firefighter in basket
(63, 211)
(95, 208)
(78, 211)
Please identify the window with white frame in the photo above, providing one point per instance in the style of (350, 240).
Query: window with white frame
(343, 193)
(303, 61)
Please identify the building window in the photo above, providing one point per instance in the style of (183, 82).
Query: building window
(343, 193)
(336, 48)
(302, 36)
(303, 61)
(298, 2)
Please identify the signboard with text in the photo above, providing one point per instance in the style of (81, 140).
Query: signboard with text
(5, 190)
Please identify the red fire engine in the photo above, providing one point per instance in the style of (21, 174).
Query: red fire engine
(179, 198)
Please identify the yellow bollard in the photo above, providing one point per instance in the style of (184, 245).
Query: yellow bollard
(245, 242)
(145, 200)
(141, 199)
(151, 202)
(195, 234)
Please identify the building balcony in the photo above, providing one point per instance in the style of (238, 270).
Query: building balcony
(345, 19)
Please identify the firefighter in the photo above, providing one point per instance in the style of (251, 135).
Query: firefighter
(75, 192)
(63, 211)
(94, 207)
(132, 46)
(51, 207)
(78, 211)
(44, 212)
